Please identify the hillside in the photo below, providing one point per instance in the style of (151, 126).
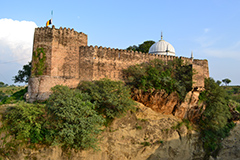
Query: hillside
(144, 134)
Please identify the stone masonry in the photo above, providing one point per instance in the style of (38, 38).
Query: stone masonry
(69, 61)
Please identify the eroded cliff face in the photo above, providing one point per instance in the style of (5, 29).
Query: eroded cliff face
(161, 102)
(144, 134)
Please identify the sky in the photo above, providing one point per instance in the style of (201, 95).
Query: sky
(208, 28)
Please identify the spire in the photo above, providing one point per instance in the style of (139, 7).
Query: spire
(161, 36)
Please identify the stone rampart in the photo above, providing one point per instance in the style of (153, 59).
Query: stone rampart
(69, 61)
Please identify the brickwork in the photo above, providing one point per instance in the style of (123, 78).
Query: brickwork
(69, 61)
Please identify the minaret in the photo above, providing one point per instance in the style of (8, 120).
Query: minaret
(192, 55)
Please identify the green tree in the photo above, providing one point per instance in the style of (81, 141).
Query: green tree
(72, 119)
(3, 84)
(24, 123)
(214, 120)
(218, 82)
(112, 98)
(144, 47)
(226, 81)
(24, 74)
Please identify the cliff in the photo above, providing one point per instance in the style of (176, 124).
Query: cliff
(144, 134)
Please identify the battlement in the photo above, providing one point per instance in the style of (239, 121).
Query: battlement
(125, 54)
(46, 30)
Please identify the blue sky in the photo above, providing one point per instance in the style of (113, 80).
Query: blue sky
(209, 28)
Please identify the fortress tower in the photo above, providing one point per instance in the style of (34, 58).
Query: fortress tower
(62, 57)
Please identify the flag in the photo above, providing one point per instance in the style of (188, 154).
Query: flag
(49, 22)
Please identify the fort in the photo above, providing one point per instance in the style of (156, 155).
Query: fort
(63, 57)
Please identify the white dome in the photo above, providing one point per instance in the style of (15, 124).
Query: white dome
(162, 47)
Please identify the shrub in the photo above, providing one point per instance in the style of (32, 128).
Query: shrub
(24, 122)
(174, 76)
(112, 98)
(73, 122)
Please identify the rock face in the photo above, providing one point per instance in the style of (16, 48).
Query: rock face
(230, 145)
(161, 102)
(158, 101)
(190, 108)
(144, 134)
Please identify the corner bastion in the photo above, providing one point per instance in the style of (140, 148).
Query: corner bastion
(62, 57)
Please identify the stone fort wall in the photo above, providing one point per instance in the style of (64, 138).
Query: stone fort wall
(69, 61)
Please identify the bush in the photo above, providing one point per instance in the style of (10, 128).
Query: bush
(112, 98)
(174, 76)
(67, 120)
(25, 123)
(73, 122)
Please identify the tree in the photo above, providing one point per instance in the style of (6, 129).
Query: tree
(3, 84)
(144, 47)
(24, 74)
(73, 120)
(214, 120)
(226, 81)
(218, 82)
(112, 98)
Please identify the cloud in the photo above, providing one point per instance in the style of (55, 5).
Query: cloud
(206, 30)
(16, 40)
(224, 52)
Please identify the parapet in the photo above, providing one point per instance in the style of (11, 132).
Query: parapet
(127, 52)
(46, 33)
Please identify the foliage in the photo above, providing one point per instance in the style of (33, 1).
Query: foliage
(174, 76)
(214, 121)
(226, 81)
(144, 47)
(24, 74)
(233, 92)
(218, 82)
(3, 84)
(68, 119)
(39, 58)
(112, 98)
(17, 96)
(73, 122)
(24, 123)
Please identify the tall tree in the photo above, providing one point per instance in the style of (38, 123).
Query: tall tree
(24, 74)
(226, 81)
(144, 47)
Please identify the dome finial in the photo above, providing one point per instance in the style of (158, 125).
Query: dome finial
(161, 36)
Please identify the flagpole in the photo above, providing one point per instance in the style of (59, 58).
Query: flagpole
(51, 14)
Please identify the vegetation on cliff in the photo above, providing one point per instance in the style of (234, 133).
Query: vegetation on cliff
(112, 98)
(214, 122)
(173, 76)
(71, 119)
